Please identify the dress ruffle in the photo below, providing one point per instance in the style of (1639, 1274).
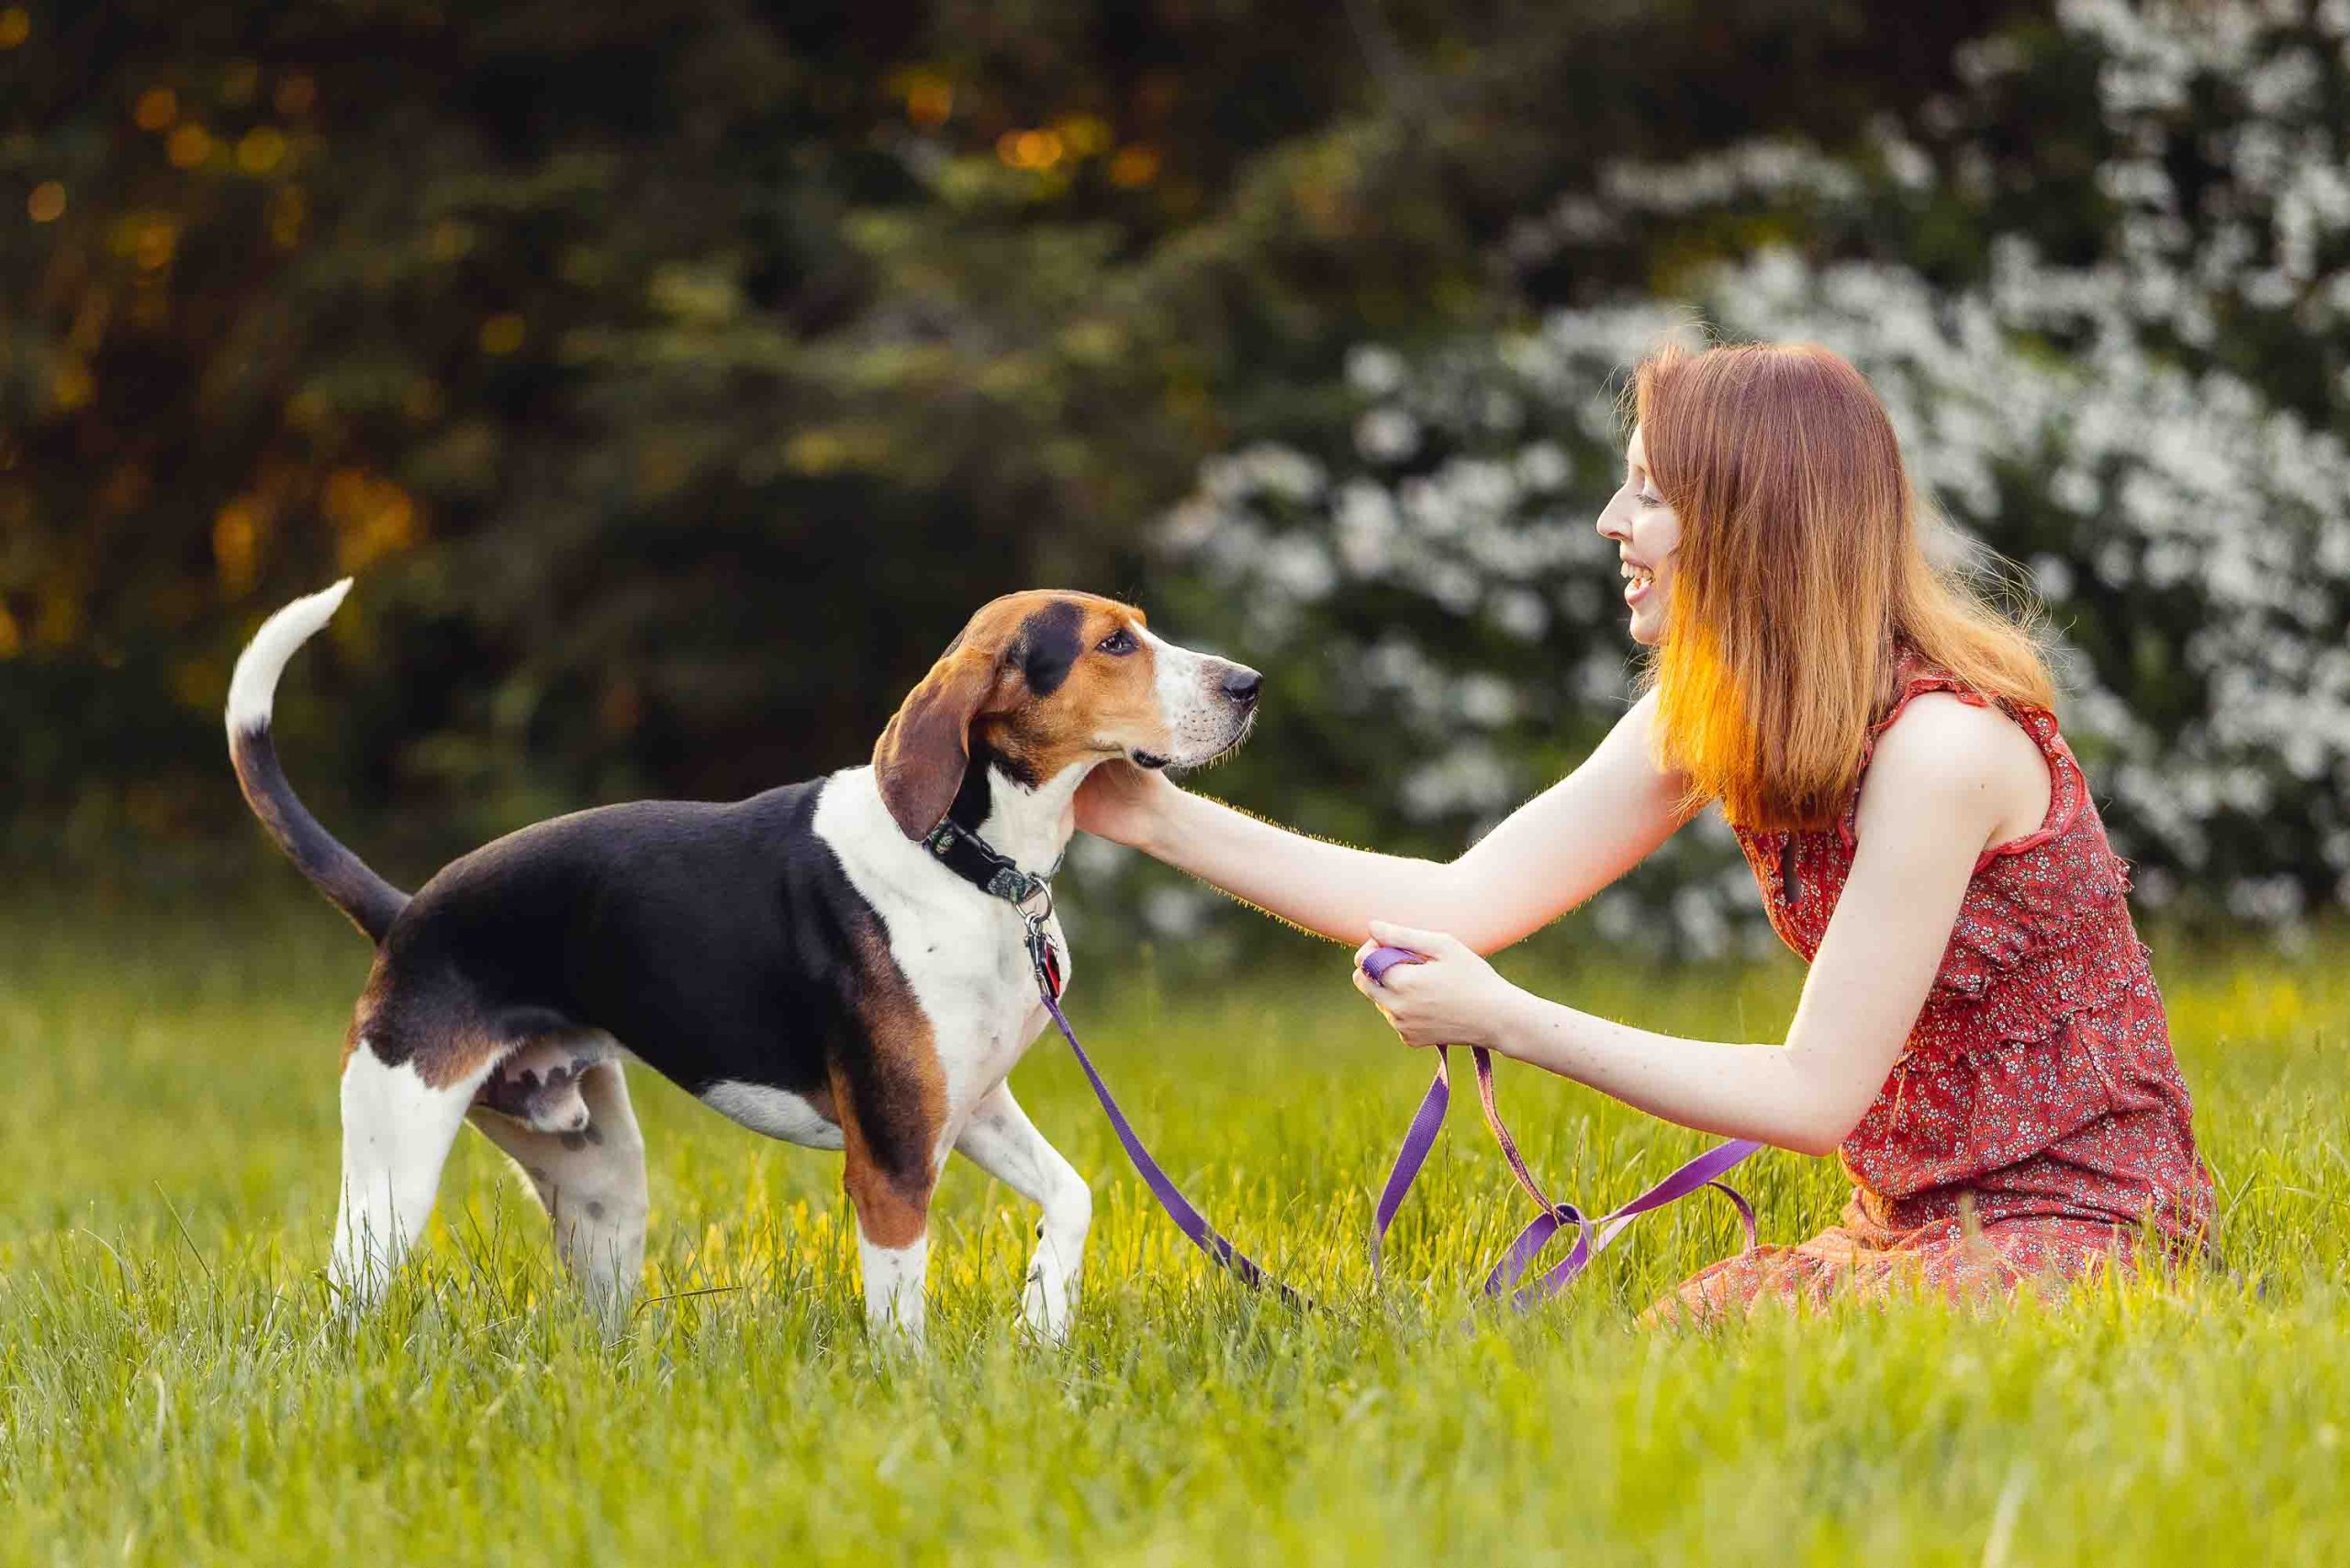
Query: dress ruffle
(2024, 993)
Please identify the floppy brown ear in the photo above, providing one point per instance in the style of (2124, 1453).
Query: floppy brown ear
(919, 758)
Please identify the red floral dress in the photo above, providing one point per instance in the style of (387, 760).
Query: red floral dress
(2036, 1120)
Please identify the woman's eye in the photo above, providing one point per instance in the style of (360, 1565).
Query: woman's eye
(1647, 499)
(1118, 642)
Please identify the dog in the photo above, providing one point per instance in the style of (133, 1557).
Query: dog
(820, 963)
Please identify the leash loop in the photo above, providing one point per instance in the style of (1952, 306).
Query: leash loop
(1592, 1236)
(1484, 1060)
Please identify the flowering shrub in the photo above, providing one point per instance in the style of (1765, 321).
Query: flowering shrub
(2151, 433)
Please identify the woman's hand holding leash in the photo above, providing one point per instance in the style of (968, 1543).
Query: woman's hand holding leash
(1450, 995)
(1445, 994)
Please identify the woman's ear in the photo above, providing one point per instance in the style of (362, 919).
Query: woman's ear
(920, 759)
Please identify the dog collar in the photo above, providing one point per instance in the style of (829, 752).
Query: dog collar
(970, 857)
(963, 852)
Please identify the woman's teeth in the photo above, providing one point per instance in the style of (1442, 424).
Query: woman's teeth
(1639, 577)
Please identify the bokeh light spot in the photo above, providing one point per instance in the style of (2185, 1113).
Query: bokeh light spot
(156, 241)
(1029, 148)
(502, 333)
(929, 99)
(261, 150)
(236, 537)
(70, 385)
(188, 146)
(1133, 167)
(1083, 135)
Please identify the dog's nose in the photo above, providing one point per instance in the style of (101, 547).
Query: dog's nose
(1242, 684)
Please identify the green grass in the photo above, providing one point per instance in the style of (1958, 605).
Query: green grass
(171, 1386)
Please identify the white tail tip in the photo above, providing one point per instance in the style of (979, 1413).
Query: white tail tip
(253, 689)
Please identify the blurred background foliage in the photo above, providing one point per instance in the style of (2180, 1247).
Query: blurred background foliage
(676, 376)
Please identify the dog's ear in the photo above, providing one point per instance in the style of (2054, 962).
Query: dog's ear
(919, 761)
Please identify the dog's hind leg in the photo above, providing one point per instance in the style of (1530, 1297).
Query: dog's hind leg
(399, 1121)
(1002, 1141)
(592, 1181)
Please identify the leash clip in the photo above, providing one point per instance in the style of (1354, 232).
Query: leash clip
(1041, 956)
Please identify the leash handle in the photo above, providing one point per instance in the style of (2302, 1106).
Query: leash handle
(1484, 1060)
(1593, 1236)
(1419, 1140)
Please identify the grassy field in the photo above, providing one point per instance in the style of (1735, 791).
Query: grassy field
(173, 1388)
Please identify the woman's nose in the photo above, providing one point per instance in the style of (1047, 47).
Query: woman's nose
(1611, 522)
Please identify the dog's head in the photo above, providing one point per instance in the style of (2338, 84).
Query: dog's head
(1047, 681)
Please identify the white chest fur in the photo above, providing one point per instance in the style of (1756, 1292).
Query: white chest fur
(964, 953)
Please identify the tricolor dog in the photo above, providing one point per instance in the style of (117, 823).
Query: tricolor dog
(821, 963)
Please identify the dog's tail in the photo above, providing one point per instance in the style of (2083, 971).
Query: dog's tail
(370, 901)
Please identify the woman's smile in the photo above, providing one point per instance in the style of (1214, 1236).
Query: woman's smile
(1638, 581)
(1646, 531)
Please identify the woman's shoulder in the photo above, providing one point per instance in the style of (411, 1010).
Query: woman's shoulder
(1954, 757)
(1953, 736)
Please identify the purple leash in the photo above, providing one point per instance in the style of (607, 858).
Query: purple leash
(1180, 1209)
(1592, 1238)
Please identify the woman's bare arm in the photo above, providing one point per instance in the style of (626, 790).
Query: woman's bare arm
(1937, 792)
(1548, 856)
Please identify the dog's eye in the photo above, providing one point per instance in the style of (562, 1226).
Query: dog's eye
(1118, 642)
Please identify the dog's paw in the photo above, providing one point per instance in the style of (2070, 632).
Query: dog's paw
(1044, 1311)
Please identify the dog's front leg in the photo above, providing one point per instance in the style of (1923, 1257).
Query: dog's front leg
(890, 1186)
(893, 1244)
(1002, 1141)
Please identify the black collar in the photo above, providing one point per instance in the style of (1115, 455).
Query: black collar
(964, 853)
(970, 857)
(956, 845)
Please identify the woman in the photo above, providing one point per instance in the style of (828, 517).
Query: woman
(1979, 1038)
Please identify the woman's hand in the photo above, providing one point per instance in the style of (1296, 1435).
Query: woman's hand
(1452, 997)
(1122, 802)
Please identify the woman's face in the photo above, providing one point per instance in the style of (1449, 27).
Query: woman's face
(1646, 534)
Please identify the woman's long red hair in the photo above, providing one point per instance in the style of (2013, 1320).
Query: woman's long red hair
(1800, 575)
